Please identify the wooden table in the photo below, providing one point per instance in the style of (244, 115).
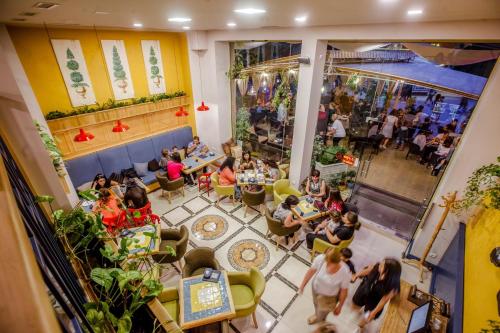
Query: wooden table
(202, 302)
(243, 178)
(145, 244)
(198, 162)
(306, 210)
(398, 313)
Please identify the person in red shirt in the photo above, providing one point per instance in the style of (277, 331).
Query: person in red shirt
(227, 175)
(175, 167)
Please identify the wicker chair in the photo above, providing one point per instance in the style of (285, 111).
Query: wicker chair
(277, 228)
(253, 198)
(197, 260)
(170, 186)
(178, 240)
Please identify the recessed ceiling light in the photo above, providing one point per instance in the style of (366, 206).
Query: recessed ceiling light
(301, 18)
(101, 13)
(250, 11)
(231, 24)
(45, 5)
(179, 19)
(186, 28)
(415, 12)
(138, 25)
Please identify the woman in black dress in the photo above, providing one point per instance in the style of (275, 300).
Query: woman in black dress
(381, 282)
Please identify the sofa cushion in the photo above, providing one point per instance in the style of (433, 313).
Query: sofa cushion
(242, 294)
(141, 151)
(149, 178)
(114, 160)
(83, 169)
(161, 141)
(172, 308)
(182, 136)
(141, 169)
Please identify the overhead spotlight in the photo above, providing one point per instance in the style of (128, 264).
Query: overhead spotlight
(250, 11)
(138, 25)
(231, 24)
(179, 19)
(413, 12)
(186, 28)
(301, 19)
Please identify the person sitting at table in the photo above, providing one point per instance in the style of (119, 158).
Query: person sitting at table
(421, 139)
(246, 162)
(442, 152)
(315, 187)
(433, 145)
(165, 154)
(196, 147)
(284, 214)
(175, 167)
(109, 208)
(334, 203)
(138, 208)
(272, 170)
(227, 175)
(332, 233)
(101, 181)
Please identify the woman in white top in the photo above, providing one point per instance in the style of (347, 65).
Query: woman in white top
(331, 278)
(388, 127)
(336, 130)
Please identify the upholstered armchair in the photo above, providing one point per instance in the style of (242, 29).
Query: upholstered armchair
(197, 260)
(277, 228)
(253, 198)
(178, 240)
(320, 246)
(165, 308)
(169, 186)
(282, 190)
(247, 289)
(221, 190)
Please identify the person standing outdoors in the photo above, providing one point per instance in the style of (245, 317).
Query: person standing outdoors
(330, 281)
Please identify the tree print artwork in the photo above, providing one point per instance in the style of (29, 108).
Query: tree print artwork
(75, 76)
(155, 71)
(118, 72)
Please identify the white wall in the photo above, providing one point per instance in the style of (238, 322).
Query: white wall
(473, 151)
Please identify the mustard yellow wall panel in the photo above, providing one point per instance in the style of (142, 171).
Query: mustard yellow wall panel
(39, 62)
(482, 278)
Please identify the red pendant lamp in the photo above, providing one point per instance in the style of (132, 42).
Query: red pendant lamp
(202, 107)
(119, 127)
(83, 136)
(181, 112)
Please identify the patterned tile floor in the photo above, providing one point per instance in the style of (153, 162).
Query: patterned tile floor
(240, 242)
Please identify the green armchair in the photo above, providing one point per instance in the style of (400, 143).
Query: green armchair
(282, 190)
(165, 308)
(178, 240)
(197, 260)
(320, 246)
(253, 198)
(221, 190)
(276, 227)
(170, 186)
(247, 289)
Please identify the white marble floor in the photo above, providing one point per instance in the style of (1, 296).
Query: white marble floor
(281, 308)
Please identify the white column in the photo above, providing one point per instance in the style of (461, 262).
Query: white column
(306, 110)
(478, 146)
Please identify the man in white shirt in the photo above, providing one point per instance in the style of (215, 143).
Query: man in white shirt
(331, 278)
(336, 129)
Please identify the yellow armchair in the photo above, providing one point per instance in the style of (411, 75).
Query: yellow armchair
(320, 246)
(221, 190)
(282, 189)
(165, 308)
(247, 289)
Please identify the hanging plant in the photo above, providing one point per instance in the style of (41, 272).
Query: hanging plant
(235, 69)
(352, 82)
(54, 152)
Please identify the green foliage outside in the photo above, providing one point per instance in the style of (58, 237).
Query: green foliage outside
(234, 71)
(51, 147)
(242, 124)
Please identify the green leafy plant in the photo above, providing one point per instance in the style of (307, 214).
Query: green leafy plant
(318, 149)
(242, 124)
(332, 154)
(234, 71)
(494, 327)
(483, 188)
(54, 152)
(352, 82)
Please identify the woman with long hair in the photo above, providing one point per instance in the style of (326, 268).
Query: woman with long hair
(390, 122)
(334, 203)
(334, 233)
(283, 213)
(381, 282)
(109, 208)
(246, 162)
(227, 176)
(101, 181)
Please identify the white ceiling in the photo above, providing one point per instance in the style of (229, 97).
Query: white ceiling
(215, 14)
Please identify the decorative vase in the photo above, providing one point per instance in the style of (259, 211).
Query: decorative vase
(122, 84)
(81, 91)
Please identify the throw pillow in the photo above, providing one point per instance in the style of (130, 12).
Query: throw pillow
(141, 169)
(153, 165)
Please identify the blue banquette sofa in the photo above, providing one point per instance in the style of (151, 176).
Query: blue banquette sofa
(83, 169)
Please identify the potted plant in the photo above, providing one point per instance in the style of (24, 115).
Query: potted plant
(329, 160)
(242, 126)
(350, 178)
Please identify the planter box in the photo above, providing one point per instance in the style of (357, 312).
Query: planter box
(330, 169)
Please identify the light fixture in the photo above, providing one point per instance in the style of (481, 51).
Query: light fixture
(412, 12)
(186, 27)
(179, 19)
(101, 13)
(202, 107)
(83, 136)
(181, 112)
(138, 25)
(323, 89)
(231, 24)
(119, 127)
(250, 11)
(301, 19)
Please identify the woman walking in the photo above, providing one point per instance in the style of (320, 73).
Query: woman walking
(388, 127)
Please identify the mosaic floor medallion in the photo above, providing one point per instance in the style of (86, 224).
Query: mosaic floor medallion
(209, 227)
(248, 253)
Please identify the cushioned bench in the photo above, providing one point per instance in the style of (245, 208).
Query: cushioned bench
(83, 169)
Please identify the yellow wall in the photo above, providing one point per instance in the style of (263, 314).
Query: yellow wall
(482, 278)
(35, 51)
